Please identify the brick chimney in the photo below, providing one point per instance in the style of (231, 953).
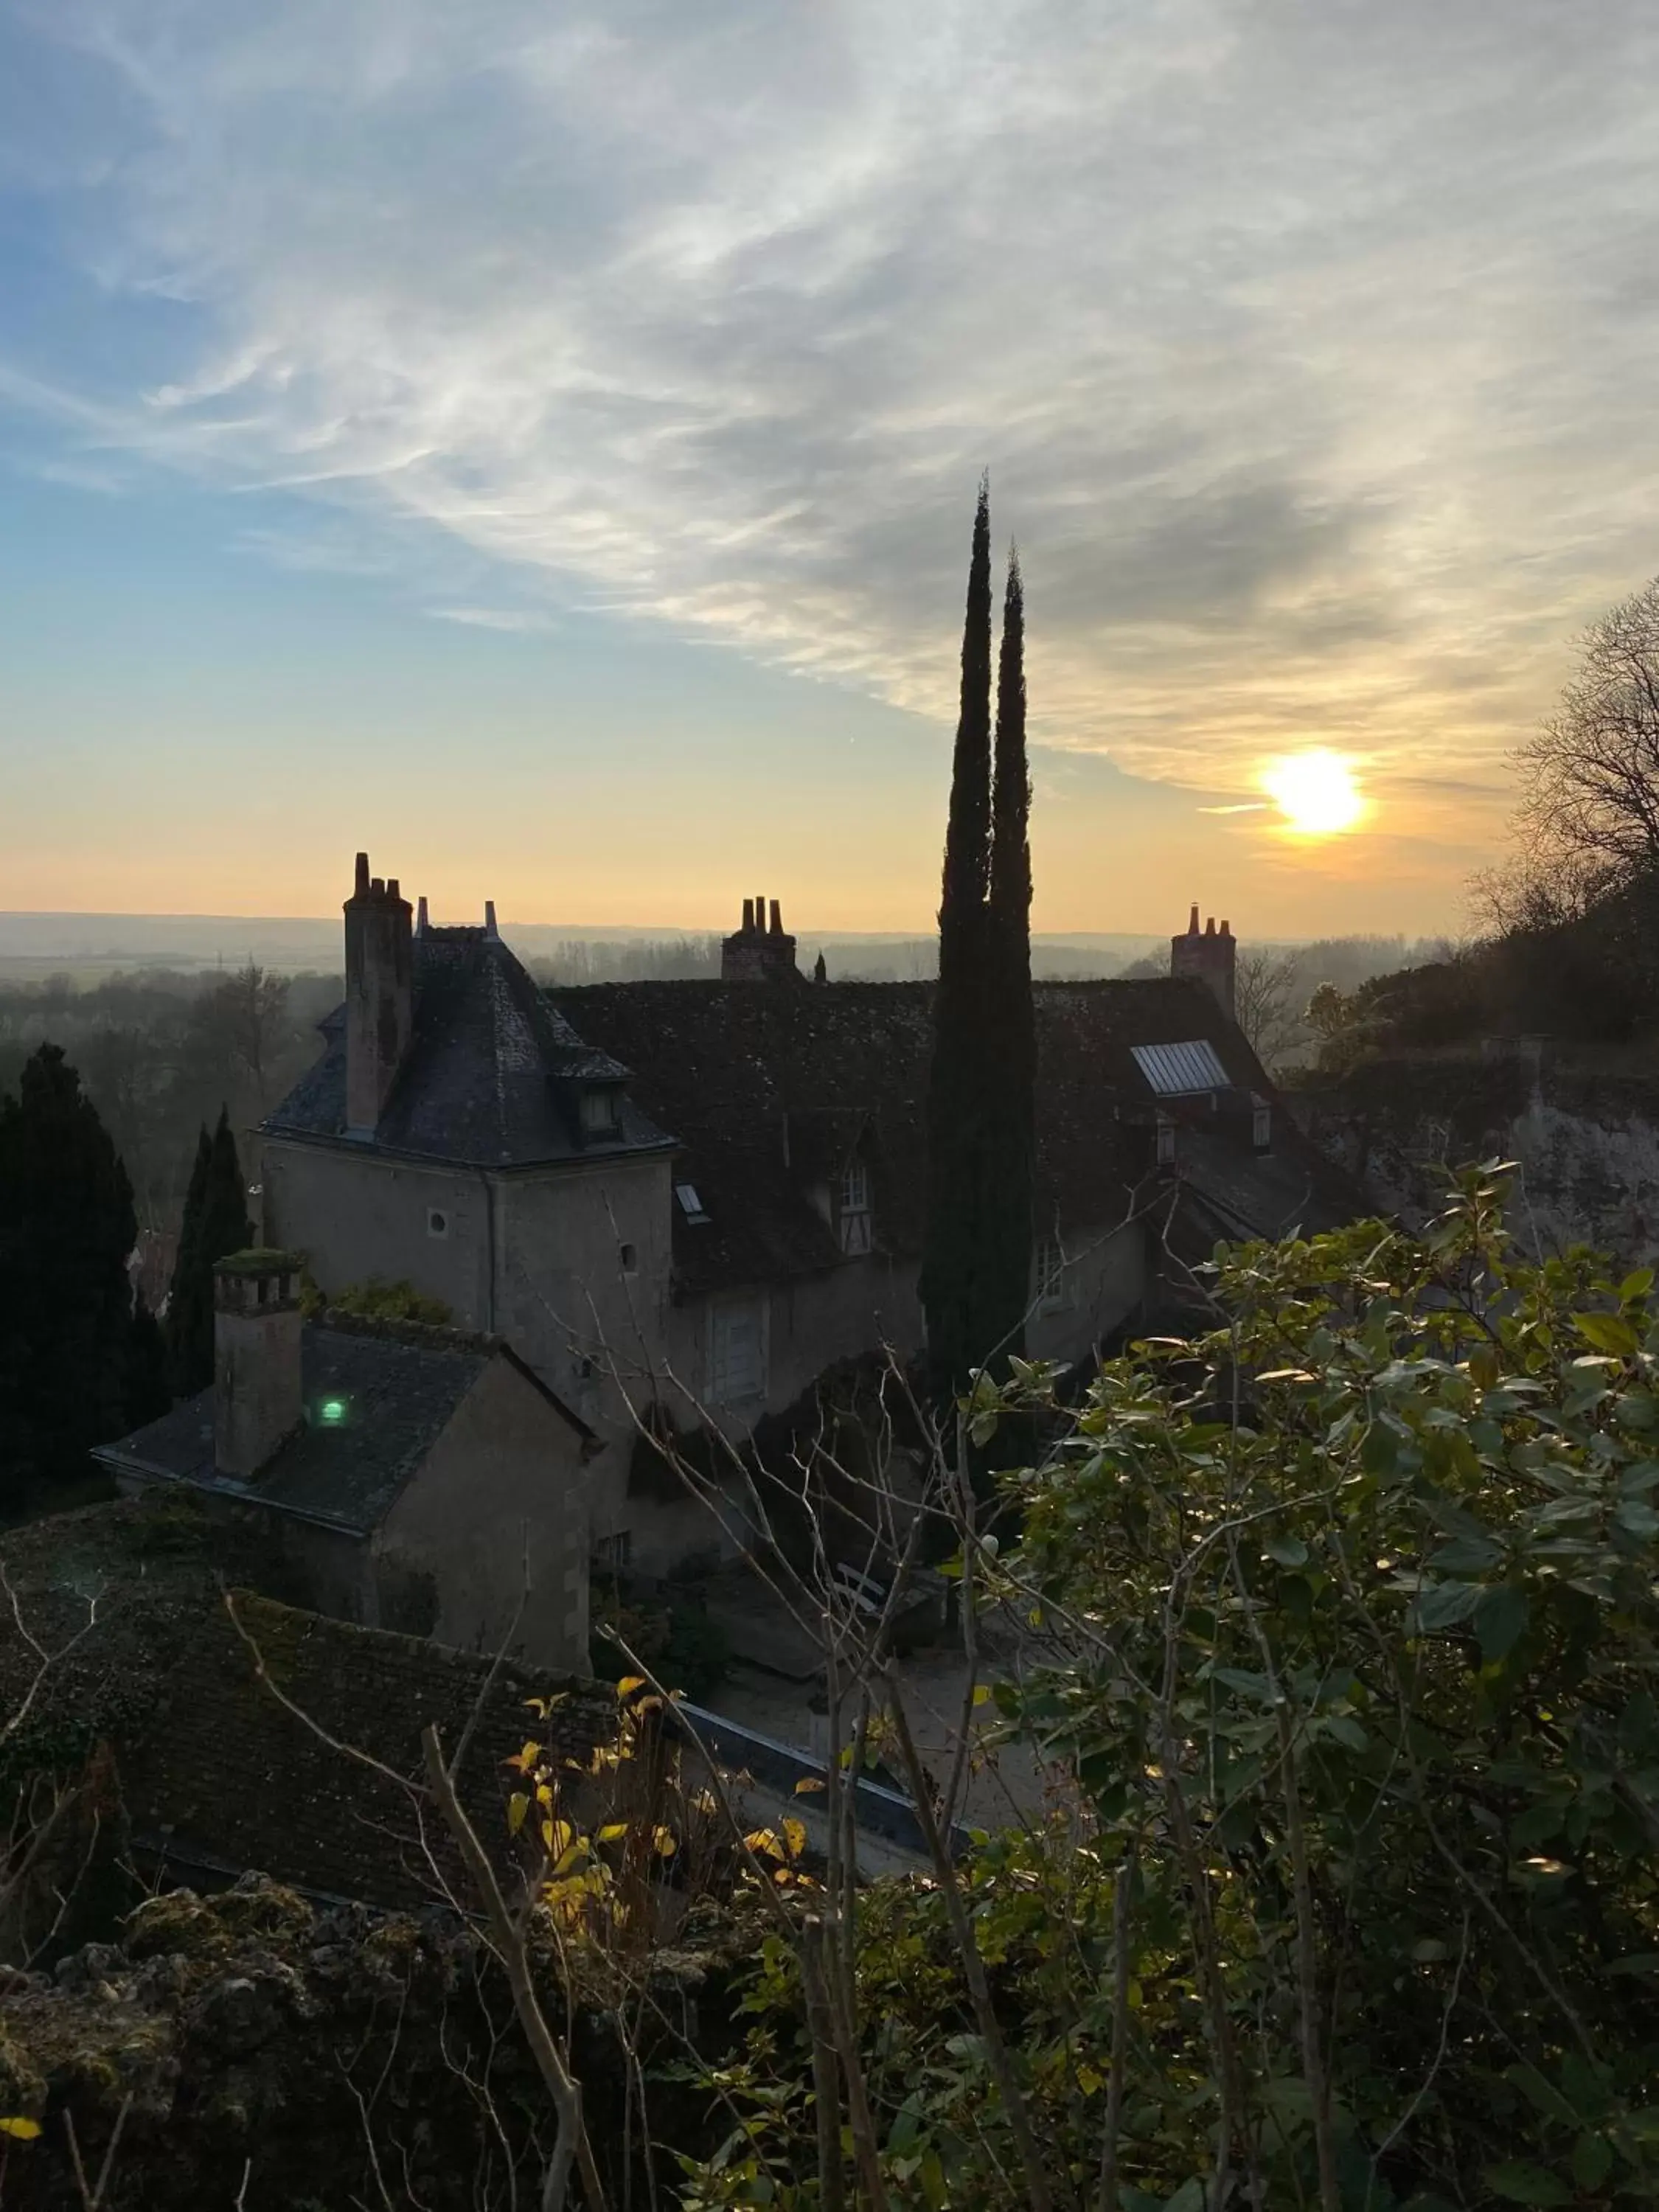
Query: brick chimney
(759, 952)
(379, 996)
(258, 1398)
(1207, 955)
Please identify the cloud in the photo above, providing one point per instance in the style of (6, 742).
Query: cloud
(1308, 346)
(501, 618)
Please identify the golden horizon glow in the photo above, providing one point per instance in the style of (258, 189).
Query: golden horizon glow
(1315, 792)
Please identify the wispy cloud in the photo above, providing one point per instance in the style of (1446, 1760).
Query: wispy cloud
(501, 618)
(1309, 346)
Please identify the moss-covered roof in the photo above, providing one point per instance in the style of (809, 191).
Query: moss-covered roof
(218, 1774)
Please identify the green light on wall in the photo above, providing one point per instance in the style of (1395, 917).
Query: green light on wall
(332, 1413)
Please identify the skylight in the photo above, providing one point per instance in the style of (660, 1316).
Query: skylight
(690, 1204)
(1177, 1071)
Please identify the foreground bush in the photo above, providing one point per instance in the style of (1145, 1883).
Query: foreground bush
(1346, 1622)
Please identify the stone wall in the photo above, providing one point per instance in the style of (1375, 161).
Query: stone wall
(1584, 1130)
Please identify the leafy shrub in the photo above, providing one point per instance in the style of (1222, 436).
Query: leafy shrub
(1352, 1633)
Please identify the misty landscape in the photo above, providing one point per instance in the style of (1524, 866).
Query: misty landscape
(828, 1107)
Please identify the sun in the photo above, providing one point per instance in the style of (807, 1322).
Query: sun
(1315, 792)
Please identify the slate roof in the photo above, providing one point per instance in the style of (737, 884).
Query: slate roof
(398, 1386)
(767, 1089)
(494, 1075)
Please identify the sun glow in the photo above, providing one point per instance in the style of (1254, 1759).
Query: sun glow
(1315, 792)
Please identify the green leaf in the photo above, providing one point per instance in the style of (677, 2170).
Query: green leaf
(1500, 1619)
(1443, 1606)
(1466, 1555)
(1636, 1285)
(1592, 2161)
(1544, 2093)
(1189, 2198)
(1637, 1515)
(1289, 1551)
(1607, 1333)
(1518, 2181)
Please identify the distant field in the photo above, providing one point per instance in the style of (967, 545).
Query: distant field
(88, 946)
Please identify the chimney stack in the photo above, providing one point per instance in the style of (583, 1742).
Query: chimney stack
(756, 953)
(490, 930)
(379, 996)
(1208, 958)
(258, 1397)
(420, 917)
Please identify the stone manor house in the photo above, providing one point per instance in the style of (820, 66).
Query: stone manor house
(685, 1201)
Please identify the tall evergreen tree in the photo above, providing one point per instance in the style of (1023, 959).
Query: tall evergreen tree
(67, 1229)
(959, 1164)
(1010, 1060)
(216, 1222)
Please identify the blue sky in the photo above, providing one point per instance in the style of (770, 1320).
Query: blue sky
(538, 441)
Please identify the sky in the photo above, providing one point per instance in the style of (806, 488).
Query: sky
(537, 442)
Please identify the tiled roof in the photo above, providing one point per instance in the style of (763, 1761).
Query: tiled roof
(493, 1076)
(397, 1391)
(767, 1088)
(224, 1777)
(214, 1771)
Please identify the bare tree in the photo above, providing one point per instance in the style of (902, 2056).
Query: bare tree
(1264, 1000)
(1590, 775)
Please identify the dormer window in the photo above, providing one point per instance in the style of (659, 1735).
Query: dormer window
(601, 1111)
(690, 1204)
(852, 1208)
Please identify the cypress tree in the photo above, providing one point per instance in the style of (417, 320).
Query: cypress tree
(958, 1165)
(1011, 1059)
(977, 1259)
(67, 1228)
(216, 1222)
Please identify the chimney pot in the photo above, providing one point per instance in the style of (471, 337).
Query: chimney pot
(748, 914)
(777, 918)
(377, 888)
(490, 929)
(392, 891)
(760, 911)
(1192, 926)
(420, 917)
(360, 889)
(1209, 927)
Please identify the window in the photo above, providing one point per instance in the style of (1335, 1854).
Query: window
(599, 1112)
(853, 1208)
(690, 1204)
(614, 1553)
(1050, 1270)
(737, 1351)
(437, 1222)
(630, 1258)
(1166, 1141)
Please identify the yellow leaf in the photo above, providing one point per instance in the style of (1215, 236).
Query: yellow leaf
(526, 1760)
(762, 1839)
(517, 1806)
(807, 1785)
(795, 1836)
(704, 1801)
(662, 1843)
(538, 1706)
(544, 1792)
(24, 2131)
(982, 1693)
(570, 1860)
(557, 1835)
(629, 1684)
(612, 1829)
